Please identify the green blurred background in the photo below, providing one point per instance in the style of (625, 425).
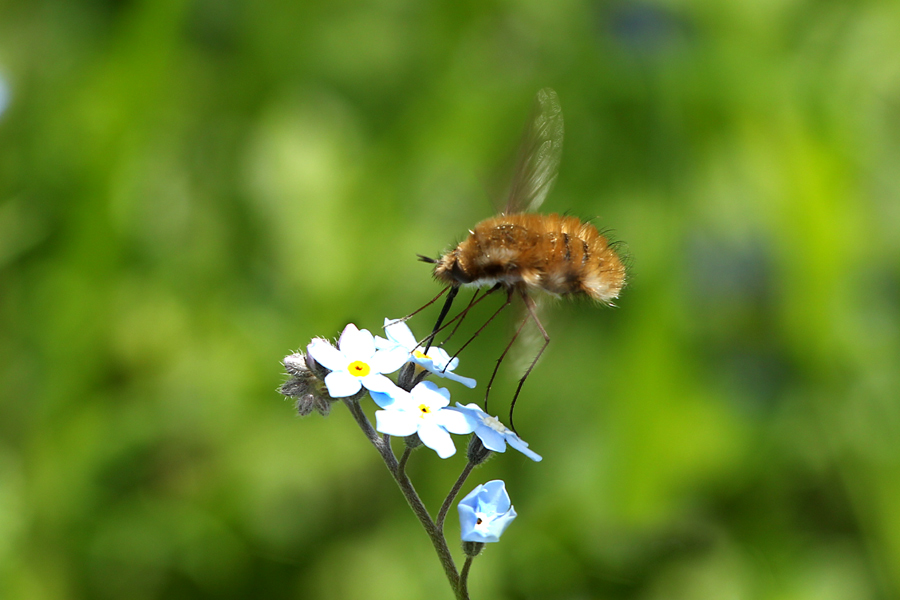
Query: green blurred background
(191, 190)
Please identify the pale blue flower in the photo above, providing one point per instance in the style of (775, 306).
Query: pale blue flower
(437, 360)
(492, 433)
(356, 363)
(422, 411)
(485, 513)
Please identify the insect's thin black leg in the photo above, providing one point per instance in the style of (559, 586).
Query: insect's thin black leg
(529, 304)
(461, 314)
(486, 323)
(420, 309)
(487, 391)
(459, 322)
(454, 290)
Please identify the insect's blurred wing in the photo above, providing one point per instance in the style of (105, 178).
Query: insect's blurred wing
(530, 340)
(538, 161)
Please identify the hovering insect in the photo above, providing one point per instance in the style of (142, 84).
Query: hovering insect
(523, 252)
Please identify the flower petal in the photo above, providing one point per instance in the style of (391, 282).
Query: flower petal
(376, 382)
(327, 355)
(520, 445)
(491, 529)
(466, 381)
(437, 439)
(383, 344)
(347, 336)
(400, 332)
(341, 384)
(383, 399)
(495, 495)
(442, 361)
(396, 422)
(467, 518)
(491, 439)
(479, 531)
(439, 358)
(472, 412)
(388, 361)
(426, 392)
(443, 392)
(453, 421)
(471, 499)
(357, 344)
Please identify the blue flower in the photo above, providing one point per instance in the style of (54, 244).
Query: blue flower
(436, 361)
(492, 433)
(355, 363)
(421, 411)
(485, 513)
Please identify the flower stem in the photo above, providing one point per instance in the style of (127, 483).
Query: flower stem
(412, 497)
(454, 491)
(401, 468)
(383, 445)
(437, 537)
(464, 578)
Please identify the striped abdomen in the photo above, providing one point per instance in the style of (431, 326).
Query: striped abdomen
(558, 254)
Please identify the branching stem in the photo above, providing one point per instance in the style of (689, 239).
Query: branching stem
(397, 470)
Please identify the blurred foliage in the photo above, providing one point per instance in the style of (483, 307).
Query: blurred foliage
(191, 190)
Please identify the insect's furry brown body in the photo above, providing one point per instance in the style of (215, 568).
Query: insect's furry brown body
(556, 253)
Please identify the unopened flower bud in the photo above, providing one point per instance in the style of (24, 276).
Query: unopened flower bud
(294, 387)
(295, 364)
(476, 452)
(305, 404)
(305, 386)
(406, 379)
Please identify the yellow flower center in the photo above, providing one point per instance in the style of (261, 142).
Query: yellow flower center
(420, 355)
(425, 409)
(358, 368)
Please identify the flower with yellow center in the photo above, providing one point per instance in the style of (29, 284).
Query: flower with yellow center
(356, 363)
(421, 411)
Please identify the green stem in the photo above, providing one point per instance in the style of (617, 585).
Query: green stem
(442, 514)
(401, 468)
(383, 445)
(464, 579)
(412, 497)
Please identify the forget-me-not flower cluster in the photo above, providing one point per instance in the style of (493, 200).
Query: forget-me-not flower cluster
(360, 363)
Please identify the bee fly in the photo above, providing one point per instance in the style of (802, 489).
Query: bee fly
(521, 252)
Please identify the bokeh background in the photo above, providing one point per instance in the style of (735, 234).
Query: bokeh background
(190, 190)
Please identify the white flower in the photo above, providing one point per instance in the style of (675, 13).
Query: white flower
(356, 363)
(421, 411)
